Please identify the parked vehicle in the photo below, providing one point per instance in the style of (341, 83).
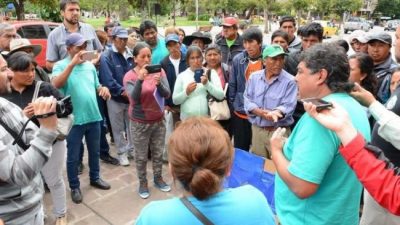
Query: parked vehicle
(391, 25)
(329, 28)
(356, 23)
(37, 33)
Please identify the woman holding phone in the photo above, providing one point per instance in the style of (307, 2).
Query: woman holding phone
(146, 92)
(194, 84)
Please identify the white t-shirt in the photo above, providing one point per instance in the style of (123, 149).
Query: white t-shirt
(175, 62)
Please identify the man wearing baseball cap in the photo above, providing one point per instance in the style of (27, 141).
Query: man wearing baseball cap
(230, 42)
(78, 78)
(358, 41)
(379, 45)
(269, 100)
(115, 62)
(173, 65)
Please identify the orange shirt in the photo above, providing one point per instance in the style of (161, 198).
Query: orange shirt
(253, 66)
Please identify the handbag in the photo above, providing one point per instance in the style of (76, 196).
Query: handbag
(204, 220)
(64, 124)
(219, 110)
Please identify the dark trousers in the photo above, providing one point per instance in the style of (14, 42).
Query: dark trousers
(241, 132)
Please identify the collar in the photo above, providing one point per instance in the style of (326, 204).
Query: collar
(386, 64)
(66, 30)
(127, 53)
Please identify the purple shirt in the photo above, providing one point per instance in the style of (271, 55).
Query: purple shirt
(280, 93)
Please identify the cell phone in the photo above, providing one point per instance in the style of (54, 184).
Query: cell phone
(156, 68)
(89, 55)
(197, 75)
(321, 104)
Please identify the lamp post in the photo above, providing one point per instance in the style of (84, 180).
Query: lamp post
(197, 14)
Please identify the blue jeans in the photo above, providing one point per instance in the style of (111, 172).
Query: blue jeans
(91, 131)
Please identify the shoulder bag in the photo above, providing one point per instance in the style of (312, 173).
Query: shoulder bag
(195, 211)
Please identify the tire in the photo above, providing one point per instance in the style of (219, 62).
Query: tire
(346, 31)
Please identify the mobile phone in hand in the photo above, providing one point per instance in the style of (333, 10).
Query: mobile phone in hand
(156, 68)
(197, 75)
(321, 104)
(89, 55)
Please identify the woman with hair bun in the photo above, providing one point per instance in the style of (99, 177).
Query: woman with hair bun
(200, 157)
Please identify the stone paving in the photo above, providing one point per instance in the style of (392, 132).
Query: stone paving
(120, 205)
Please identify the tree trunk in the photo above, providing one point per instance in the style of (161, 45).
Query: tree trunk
(267, 27)
(250, 12)
(19, 9)
(143, 9)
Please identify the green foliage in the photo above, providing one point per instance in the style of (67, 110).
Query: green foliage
(202, 17)
(388, 8)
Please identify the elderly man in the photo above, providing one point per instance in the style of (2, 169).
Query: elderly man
(314, 185)
(21, 185)
(7, 33)
(115, 62)
(269, 100)
(379, 45)
(230, 42)
(288, 24)
(78, 78)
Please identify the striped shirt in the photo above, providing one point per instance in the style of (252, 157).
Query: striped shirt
(21, 187)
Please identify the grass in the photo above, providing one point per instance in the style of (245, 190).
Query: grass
(135, 22)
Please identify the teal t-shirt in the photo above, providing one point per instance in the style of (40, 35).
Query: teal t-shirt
(313, 154)
(82, 85)
(237, 206)
(159, 52)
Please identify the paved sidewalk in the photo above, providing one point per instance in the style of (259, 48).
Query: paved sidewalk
(119, 206)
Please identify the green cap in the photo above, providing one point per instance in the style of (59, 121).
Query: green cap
(272, 51)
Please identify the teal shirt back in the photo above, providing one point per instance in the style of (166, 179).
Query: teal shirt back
(159, 52)
(82, 85)
(313, 154)
(237, 206)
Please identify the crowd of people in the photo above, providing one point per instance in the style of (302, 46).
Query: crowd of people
(132, 83)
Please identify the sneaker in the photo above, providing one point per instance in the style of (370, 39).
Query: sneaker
(123, 160)
(144, 190)
(61, 220)
(160, 184)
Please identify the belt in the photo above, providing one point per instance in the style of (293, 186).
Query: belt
(271, 128)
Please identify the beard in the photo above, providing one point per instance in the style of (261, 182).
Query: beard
(72, 21)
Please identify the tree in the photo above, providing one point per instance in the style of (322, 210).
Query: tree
(388, 8)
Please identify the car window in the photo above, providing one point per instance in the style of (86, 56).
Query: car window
(32, 32)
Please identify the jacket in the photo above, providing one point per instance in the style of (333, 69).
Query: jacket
(113, 67)
(237, 82)
(169, 69)
(383, 73)
(229, 53)
(291, 62)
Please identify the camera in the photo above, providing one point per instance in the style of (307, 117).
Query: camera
(62, 104)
